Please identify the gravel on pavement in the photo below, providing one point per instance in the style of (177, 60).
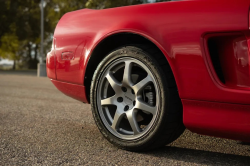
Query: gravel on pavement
(41, 126)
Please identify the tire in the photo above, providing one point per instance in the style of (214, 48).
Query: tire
(134, 104)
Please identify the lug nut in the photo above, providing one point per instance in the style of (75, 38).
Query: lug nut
(120, 99)
(124, 89)
(126, 108)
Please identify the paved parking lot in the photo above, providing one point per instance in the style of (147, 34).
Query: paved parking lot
(41, 126)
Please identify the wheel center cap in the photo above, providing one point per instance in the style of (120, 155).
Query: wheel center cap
(129, 98)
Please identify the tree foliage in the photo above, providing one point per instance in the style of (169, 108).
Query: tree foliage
(20, 24)
(20, 31)
(101, 4)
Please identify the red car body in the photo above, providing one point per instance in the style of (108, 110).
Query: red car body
(193, 35)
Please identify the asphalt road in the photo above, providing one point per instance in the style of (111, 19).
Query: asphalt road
(41, 126)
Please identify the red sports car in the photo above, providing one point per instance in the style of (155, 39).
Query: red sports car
(151, 70)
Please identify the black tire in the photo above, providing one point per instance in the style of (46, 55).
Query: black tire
(167, 124)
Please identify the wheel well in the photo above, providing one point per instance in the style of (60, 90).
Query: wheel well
(108, 45)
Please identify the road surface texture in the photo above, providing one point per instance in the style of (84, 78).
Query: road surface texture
(41, 126)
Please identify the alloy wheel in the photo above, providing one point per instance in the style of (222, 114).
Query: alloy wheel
(128, 98)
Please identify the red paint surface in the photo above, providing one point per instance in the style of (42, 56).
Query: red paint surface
(248, 43)
(50, 65)
(51, 62)
(72, 90)
(218, 119)
(178, 29)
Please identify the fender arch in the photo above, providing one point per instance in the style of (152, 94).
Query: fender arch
(114, 40)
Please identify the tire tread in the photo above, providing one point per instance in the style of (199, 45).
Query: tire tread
(172, 127)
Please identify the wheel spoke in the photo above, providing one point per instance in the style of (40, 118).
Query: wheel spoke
(145, 107)
(122, 98)
(113, 82)
(140, 85)
(127, 73)
(108, 101)
(131, 115)
(117, 119)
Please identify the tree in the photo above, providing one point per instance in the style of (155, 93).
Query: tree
(21, 20)
(101, 4)
(20, 29)
(9, 48)
(20, 24)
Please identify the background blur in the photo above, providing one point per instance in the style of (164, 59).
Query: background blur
(20, 27)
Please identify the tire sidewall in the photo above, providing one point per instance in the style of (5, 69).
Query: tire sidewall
(151, 135)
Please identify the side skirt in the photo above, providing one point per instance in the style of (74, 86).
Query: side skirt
(217, 119)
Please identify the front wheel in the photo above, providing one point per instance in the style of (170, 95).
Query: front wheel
(132, 102)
